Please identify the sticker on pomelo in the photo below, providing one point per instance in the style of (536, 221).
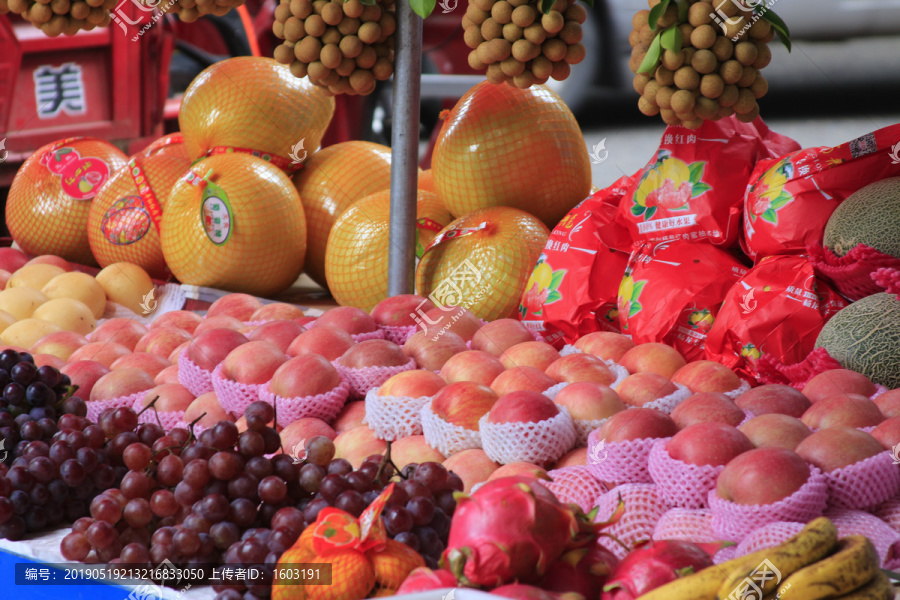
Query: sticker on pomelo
(82, 178)
(215, 210)
(126, 221)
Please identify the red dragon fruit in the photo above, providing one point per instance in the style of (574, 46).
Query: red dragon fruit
(520, 591)
(581, 570)
(653, 564)
(423, 579)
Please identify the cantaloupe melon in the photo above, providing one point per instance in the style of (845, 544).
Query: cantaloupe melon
(865, 337)
(870, 216)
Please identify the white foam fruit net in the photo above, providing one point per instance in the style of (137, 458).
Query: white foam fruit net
(197, 381)
(680, 483)
(445, 437)
(394, 417)
(537, 443)
(575, 485)
(584, 427)
(555, 389)
(326, 406)
(668, 403)
(569, 349)
(733, 394)
(363, 380)
(618, 370)
(856, 522)
(643, 509)
(686, 524)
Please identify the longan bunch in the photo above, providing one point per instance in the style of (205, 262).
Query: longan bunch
(344, 46)
(520, 45)
(711, 77)
(57, 17)
(191, 10)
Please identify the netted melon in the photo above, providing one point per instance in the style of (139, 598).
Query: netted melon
(870, 216)
(865, 337)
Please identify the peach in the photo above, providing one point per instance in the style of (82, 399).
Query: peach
(61, 344)
(401, 310)
(413, 449)
(773, 398)
(653, 358)
(463, 403)
(329, 342)
(889, 403)
(708, 443)
(348, 318)
(279, 333)
(12, 259)
(888, 433)
(169, 397)
(237, 306)
(352, 415)
(84, 374)
(472, 365)
(184, 320)
(706, 376)
(121, 382)
(103, 352)
(843, 410)
(539, 355)
(572, 458)
(519, 469)
(167, 375)
(641, 388)
(253, 362)
(126, 332)
(837, 447)
(431, 352)
(48, 359)
(220, 322)
(637, 424)
(357, 444)
(304, 429)
(412, 384)
(306, 375)
(580, 367)
(775, 430)
(522, 378)
(838, 381)
(473, 466)
(206, 407)
(707, 406)
(50, 259)
(277, 311)
(523, 406)
(150, 364)
(373, 353)
(589, 401)
(457, 319)
(762, 476)
(162, 341)
(500, 335)
(210, 347)
(607, 345)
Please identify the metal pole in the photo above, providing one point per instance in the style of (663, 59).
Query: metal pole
(405, 150)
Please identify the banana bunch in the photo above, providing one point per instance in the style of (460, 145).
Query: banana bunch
(812, 565)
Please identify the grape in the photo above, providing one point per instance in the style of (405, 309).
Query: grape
(75, 546)
(5, 486)
(214, 508)
(101, 534)
(8, 359)
(205, 438)
(160, 553)
(26, 357)
(136, 485)
(21, 501)
(421, 510)
(66, 422)
(320, 450)
(284, 467)
(273, 490)
(252, 551)
(186, 542)
(38, 394)
(397, 520)
(242, 512)
(20, 478)
(196, 473)
(42, 469)
(88, 458)
(137, 512)
(135, 554)
(72, 472)
(263, 410)
(169, 471)
(48, 425)
(454, 482)
(216, 486)
(352, 502)
(260, 467)
(74, 406)
(432, 475)
(289, 518)
(31, 431)
(39, 494)
(14, 393)
(196, 451)
(149, 433)
(163, 536)
(49, 376)
(137, 456)
(36, 519)
(23, 373)
(332, 486)
(311, 477)
(186, 495)
(225, 435)
(414, 489)
(408, 538)
(164, 446)
(314, 508)
(6, 509)
(124, 419)
(104, 508)
(440, 522)
(360, 482)
(340, 466)
(409, 471)
(244, 486)
(370, 497)
(163, 503)
(116, 446)
(251, 443)
(197, 523)
(429, 542)
(14, 529)
(224, 534)
(59, 491)
(224, 465)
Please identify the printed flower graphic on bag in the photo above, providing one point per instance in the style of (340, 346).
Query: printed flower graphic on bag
(542, 288)
(629, 292)
(670, 184)
(767, 195)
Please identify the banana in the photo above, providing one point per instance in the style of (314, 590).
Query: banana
(880, 588)
(854, 563)
(814, 542)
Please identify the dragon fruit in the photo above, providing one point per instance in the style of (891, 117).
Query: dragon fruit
(653, 564)
(423, 579)
(581, 570)
(520, 591)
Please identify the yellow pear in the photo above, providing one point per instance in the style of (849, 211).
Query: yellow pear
(79, 286)
(126, 284)
(27, 332)
(21, 302)
(68, 314)
(33, 276)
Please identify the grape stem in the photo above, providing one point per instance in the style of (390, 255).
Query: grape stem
(191, 425)
(385, 460)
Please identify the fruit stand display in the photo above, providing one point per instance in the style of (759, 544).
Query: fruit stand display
(685, 384)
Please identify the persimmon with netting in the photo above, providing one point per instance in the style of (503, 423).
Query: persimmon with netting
(235, 223)
(356, 260)
(50, 198)
(502, 146)
(329, 183)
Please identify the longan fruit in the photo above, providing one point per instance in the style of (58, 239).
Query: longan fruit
(749, 117)
(682, 101)
(300, 8)
(41, 13)
(553, 22)
(672, 60)
(746, 102)
(350, 46)
(495, 74)
(759, 87)
(734, 28)
(688, 54)
(634, 38)
(484, 5)
(512, 32)
(332, 35)
(693, 123)
(729, 95)
(371, 12)
(501, 12)
(561, 70)
(705, 108)
(188, 15)
(476, 15)
(745, 53)
(684, 117)
(524, 50)
(731, 71)
(686, 78)
(314, 25)
(703, 37)
(542, 68)
(383, 69)
(639, 82)
(686, 30)
(649, 98)
(535, 34)
(317, 71)
(318, 5)
(283, 54)
(712, 86)
(382, 51)
(729, 9)
(353, 8)
(764, 56)
(664, 97)
(524, 80)
(724, 112)
(640, 19)
(491, 29)
(704, 61)
(517, 3)
(367, 58)
(347, 66)
(511, 67)
(647, 35)
(634, 62)
(472, 37)
(698, 14)
(669, 117)
(299, 69)
(554, 49)
(348, 26)
(308, 50)
(646, 107)
(93, 3)
(759, 30)
(361, 80)
(466, 22)
(332, 13)
(665, 76)
(331, 56)
(56, 25)
(474, 62)
(79, 11)
(575, 53)
(668, 18)
(293, 29)
(576, 13)
(651, 90)
(500, 49)
(571, 33)
(769, 37)
(723, 48)
(369, 32)
(332, 79)
(484, 53)
(748, 77)
(59, 7)
(388, 23)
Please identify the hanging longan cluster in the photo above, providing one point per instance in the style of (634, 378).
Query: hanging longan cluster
(344, 46)
(519, 45)
(712, 77)
(57, 17)
(191, 10)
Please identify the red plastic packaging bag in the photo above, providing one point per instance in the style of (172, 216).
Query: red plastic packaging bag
(572, 290)
(777, 308)
(671, 293)
(789, 199)
(693, 187)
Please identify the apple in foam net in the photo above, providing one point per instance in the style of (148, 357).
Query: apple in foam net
(306, 375)
(357, 444)
(162, 341)
(539, 355)
(374, 353)
(473, 466)
(210, 347)
(277, 311)
(707, 406)
(842, 410)
(773, 398)
(762, 476)
(103, 352)
(838, 381)
(185, 320)
(352, 415)
(577, 457)
(580, 367)
(472, 365)
(348, 318)
(589, 401)
(653, 357)
(170, 397)
(412, 384)
(252, 363)
(775, 430)
(237, 306)
(641, 388)
(206, 407)
(84, 374)
(607, 345)
(220, 322)
(463, 403)
(326, 341)
(148, 363)
(457, 319)
(837, 447)
(637, 424)
(122, 382)
(888, 433)
(413, 449)
(522, 378)
(60, 344)
(707, 376)
(523, 407)
(708, 443)
(497, 336)
(126, 332)
(304, 429)
(278, 333)
(401, 310)
(431, 352)
(176, 353)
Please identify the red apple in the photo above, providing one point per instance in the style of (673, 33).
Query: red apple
(775, 430)
(589, 401)
(185, 320)
(253, 362)
(294, 436)
(208, 406)
(121, 382)
(50, 259)
(653, 357)
(762, 476)
(210, 347)
(357, 445)
(889, 403)
(277, 311)
(573, 458)
(41, 360)
(170, 397)
(539, 355)
(401, 310)
(278, 333)
(522, 378)
(103, 352)
(306, 375)
(413, 449)
(580, 367)
(326, 341)
(373, 353)
(842, 410)
(641, 388)
(463, 403)
(167, 375)
(352, 415)
(61, 344)
(607, 345)
(837, 447)
(162, 341)
(497, 336)
(348, 318)
(457, 319)
(838, 381)
(431, 352)
(412, 384)
(708, 443)
(637, 424)
(523, 406)
(122, 331)
(707, 376)
(473, 466)
(472, 365)
(220, 322)
(707, 406)
(517, 469)
(150, 364)
(773, 398)
(237, 306)
(84, 374)
(12, 259)
(888, 433)
(176, 353)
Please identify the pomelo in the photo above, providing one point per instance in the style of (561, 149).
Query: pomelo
(502, 146)
(356, 260)
(865, 337)
(170, 145)
(869, 216)
(50, 197)
(482, 261)
(241, 229)
(332, 180)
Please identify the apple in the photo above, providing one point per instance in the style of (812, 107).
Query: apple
(50, 259)
(207, 403)
(121, 382)
(523, 406)
(889, 403)
(162, 341)
(641, 388)
(279, 333)
(838, 381)
(306, 375)
(12, 259)
(412, 384)
(220, 322)
(329, 342)
(348, 318)
(401, 310)
(607, 345)
(84, 374)
(518, 469)
(176, 353)
(373, 353)
(431, 352)
(126, 332)
(61, 344)
(708, 443)
(706, 376)
(352, 415)
(707, 406)
(843, 410)
(4, 278)
(184, 320)
(304, 429)
(762, 476)
(888, 433)
(497, 336)
(357, 444)
(170, 397)
(580, 367)
(50, 360)
(773, 398)
(210, 347)
(463, 403)
(413, 449)
(277, 311)
(457, 319)
(539, 355)
(522, 378)
(837, 447)
(472, 365)
(305, 321)
(573, 458)
(167, 375)
(637, 424)
(103, 352)
(473, 466)
(589, 401)
(253, 363)
(775, 430)
(151, 364)
(237, 306)
(653, 357)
